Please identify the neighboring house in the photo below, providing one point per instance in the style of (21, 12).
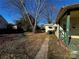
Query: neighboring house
(68, 20)
(3, 23)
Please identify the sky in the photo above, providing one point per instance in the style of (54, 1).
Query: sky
(11, 15)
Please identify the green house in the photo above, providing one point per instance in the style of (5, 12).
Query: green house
(68, 20)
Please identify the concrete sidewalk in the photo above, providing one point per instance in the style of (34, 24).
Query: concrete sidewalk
(43, 52)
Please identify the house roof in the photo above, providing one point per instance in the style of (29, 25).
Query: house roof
(65, 9)
(48, 24)
(2, 20)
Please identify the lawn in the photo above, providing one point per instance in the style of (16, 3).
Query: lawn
(28, 46)
(25, 47)
(57, 49)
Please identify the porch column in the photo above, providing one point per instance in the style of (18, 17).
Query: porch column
(68, 29)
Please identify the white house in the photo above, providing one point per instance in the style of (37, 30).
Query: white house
(14, 27)
(50, 27)
(3, 23)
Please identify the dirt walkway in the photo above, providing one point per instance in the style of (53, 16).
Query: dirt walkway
(43, 52)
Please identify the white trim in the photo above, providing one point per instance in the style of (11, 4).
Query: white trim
(74, 36)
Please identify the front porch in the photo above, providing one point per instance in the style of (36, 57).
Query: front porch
(68, 20)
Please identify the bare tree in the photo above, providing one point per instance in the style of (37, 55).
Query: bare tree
(37, 5)
(39, 10)
(49, 11)
(20, 4)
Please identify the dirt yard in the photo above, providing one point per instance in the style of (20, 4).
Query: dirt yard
(33, 46)
(26, 47)
(57, 49)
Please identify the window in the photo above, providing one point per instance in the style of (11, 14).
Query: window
(50, 27)
(64, 27)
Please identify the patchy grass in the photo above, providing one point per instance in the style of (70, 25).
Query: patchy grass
(28, 46)
(57, 50)
(22, 48)
(74, 46)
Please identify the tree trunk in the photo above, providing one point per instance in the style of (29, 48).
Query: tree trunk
(25, 11)
(34, 28)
